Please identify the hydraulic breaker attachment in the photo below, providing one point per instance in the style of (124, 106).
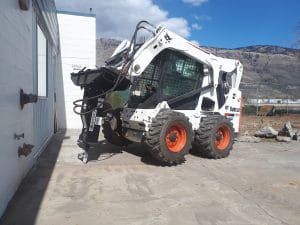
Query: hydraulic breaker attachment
(97, 84)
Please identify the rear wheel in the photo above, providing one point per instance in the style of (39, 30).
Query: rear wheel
(170, 137)
(215, 137)
(112, 129)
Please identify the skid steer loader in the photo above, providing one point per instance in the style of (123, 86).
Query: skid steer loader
(165, 92)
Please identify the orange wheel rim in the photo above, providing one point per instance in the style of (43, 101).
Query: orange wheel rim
(176, 138)
(222, 138)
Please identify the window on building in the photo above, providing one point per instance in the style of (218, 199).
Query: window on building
(41, 63)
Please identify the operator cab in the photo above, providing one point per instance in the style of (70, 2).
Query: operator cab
(169, 77)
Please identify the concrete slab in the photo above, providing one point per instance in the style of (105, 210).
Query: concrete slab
(259, 183)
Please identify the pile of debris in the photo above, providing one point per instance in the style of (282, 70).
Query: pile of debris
(286, 134)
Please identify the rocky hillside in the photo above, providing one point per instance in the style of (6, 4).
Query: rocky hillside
(269, 71)
(104, 49)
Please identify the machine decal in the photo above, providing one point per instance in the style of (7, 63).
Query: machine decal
(93, 120)
(233, 109)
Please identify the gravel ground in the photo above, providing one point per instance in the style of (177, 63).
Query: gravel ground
(259, 183)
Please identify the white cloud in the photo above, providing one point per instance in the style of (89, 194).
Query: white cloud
(196, 26)
(178, 26)
(195, 42)
(118, 18)
(195, 2)
(202, 17)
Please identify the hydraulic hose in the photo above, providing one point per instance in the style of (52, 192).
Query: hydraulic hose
(84, 100)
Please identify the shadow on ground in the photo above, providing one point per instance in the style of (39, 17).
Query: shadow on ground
(104, 150)
(34, 186)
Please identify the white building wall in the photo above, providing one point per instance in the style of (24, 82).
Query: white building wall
(18, 70)
(15, 56)
(78, 50)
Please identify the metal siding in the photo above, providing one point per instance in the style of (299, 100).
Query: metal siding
(47, 10)
(43, 113)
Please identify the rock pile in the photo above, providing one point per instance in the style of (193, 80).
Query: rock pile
(266, 132)
(286, 134)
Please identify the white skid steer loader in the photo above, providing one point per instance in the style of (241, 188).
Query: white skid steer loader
(175, 96)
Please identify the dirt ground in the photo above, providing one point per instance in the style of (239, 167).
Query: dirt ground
(259, 183)
(251, 124)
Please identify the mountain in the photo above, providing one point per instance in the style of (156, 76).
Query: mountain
(104, 49)
(270, 49)
(269, 71)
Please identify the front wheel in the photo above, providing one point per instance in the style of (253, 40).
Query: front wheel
(215, 137)
(170, 137)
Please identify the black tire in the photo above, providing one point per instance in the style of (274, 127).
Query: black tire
(215, 137)
(170, 137)
(112, 129)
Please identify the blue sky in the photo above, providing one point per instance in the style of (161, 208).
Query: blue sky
(216, 23)
(234, 23)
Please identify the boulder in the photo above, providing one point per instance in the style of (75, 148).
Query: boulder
(283, 139)
(287, 130)
(296, 136)
(268, 132)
